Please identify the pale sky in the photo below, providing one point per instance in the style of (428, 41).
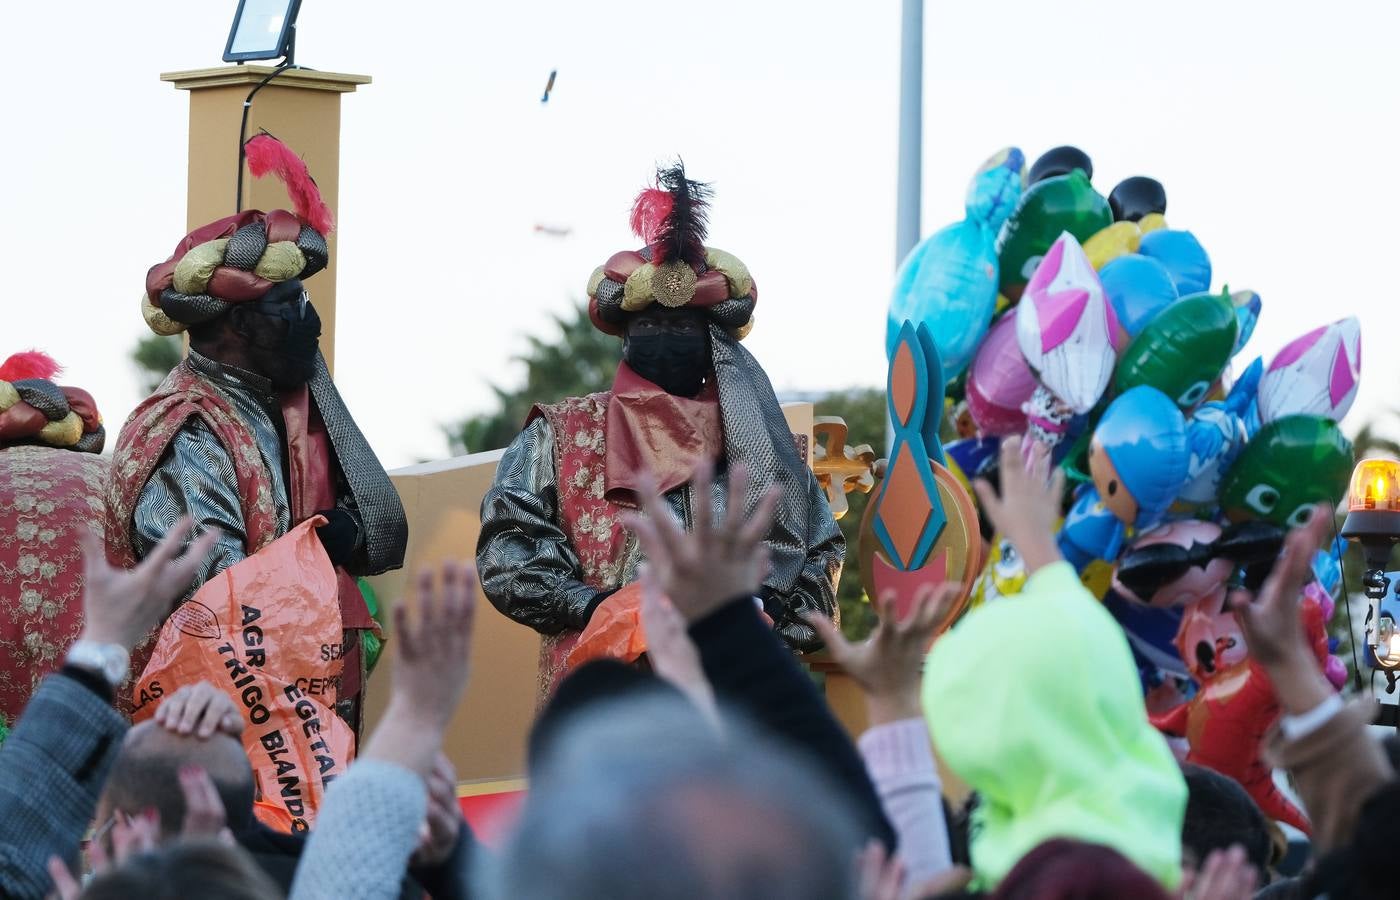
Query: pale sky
(1272, 125)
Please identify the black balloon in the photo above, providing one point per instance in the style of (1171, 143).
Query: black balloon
(1061, 161)
(1136, 197)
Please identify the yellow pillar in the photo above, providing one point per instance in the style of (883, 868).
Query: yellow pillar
(300, 107)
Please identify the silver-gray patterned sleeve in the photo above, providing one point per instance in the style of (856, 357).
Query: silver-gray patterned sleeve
(528, 570)
(195, 478)
(815, 587)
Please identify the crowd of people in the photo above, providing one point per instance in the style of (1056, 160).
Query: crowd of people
(717, 771)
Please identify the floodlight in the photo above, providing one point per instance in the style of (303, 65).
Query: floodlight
(263, 29)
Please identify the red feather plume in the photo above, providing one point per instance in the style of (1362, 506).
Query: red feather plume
(267, 154)
(649, 213)
(29, 364)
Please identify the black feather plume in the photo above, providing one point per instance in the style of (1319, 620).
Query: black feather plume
(682, 232)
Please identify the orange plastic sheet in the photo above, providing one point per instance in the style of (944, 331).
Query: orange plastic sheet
(267, 631)
(615, 630)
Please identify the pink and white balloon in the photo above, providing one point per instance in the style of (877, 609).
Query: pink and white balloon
(1066, 327)
(1316, 374)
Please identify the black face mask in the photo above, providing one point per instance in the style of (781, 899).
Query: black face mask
(676, 362)
(293, 360)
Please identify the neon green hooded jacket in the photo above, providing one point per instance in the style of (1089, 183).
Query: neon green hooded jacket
(1035, 703)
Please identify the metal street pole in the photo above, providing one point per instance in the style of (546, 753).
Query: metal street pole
(909, 193)
(911, 128)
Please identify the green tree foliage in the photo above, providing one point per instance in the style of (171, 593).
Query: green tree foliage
(577, 360)
(154, 357)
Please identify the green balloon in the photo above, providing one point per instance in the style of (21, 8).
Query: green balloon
(373, 646)
(1289, 465)
(1183, 350)
(1046, 210)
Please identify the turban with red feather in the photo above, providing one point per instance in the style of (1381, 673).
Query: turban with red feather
(675, 268)
(240, 257)
(35, 410)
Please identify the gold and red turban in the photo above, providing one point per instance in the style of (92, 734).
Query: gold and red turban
(240, 257)
(35, 410)
(675, 268)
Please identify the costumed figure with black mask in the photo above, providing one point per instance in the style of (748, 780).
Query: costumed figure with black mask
(249, 436)
(553, 551)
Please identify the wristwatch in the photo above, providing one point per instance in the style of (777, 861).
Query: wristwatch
(111, 661)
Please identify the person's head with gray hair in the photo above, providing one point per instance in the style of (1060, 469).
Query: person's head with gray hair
(642, 798)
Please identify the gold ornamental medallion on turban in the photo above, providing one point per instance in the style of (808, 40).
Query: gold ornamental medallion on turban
(673, 284)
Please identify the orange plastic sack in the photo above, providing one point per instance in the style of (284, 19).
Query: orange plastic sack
(615, 631)
(267, 631)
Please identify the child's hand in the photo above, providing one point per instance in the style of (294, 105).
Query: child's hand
(1029, 505)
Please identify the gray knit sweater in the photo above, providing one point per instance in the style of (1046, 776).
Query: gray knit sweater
(364, 836)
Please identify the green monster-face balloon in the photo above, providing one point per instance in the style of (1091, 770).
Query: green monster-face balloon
(1183, 350)
(1291, 464)
(1045, 210)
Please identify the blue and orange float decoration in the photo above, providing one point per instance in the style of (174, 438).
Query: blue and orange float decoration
(922, 526)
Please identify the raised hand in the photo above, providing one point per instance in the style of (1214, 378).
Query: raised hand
(430, 669)
(1029, 505)
(888, 664)
(204, 809)
(880, 875)
(121, 606)
(444, 823)
(200, 709)
(672, 653)
(720, 559)
(1226, 875)
(1270, 619)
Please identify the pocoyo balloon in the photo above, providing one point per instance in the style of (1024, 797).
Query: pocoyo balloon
(1047, 209)
(999, 382)
(1290, 465)
(949, 280)
(1182, 350)
(1090, 531)
(1182, 255)
(1215, 434)
(1138, 457)
(1139, 288)
(1066, 328)
(1316, 375)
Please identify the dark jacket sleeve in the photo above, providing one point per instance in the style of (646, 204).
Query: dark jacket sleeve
(752, 670)
(528, 569)
(52, 768)
(451, 880)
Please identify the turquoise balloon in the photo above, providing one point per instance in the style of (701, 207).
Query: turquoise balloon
(1182, 255)
(949, 281)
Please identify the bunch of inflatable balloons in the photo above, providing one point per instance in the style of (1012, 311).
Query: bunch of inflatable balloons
(1088, 324)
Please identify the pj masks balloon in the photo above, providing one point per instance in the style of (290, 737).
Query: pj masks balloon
(1247, 308)
(1182, 255)
(1139, 288)
(1066, 328)
(950, 279)
(1215, 434)
(1290, 465)
(1091, 531)
(1317, 374)
(1047, 209)
(1182, 350)
(1138, 456)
